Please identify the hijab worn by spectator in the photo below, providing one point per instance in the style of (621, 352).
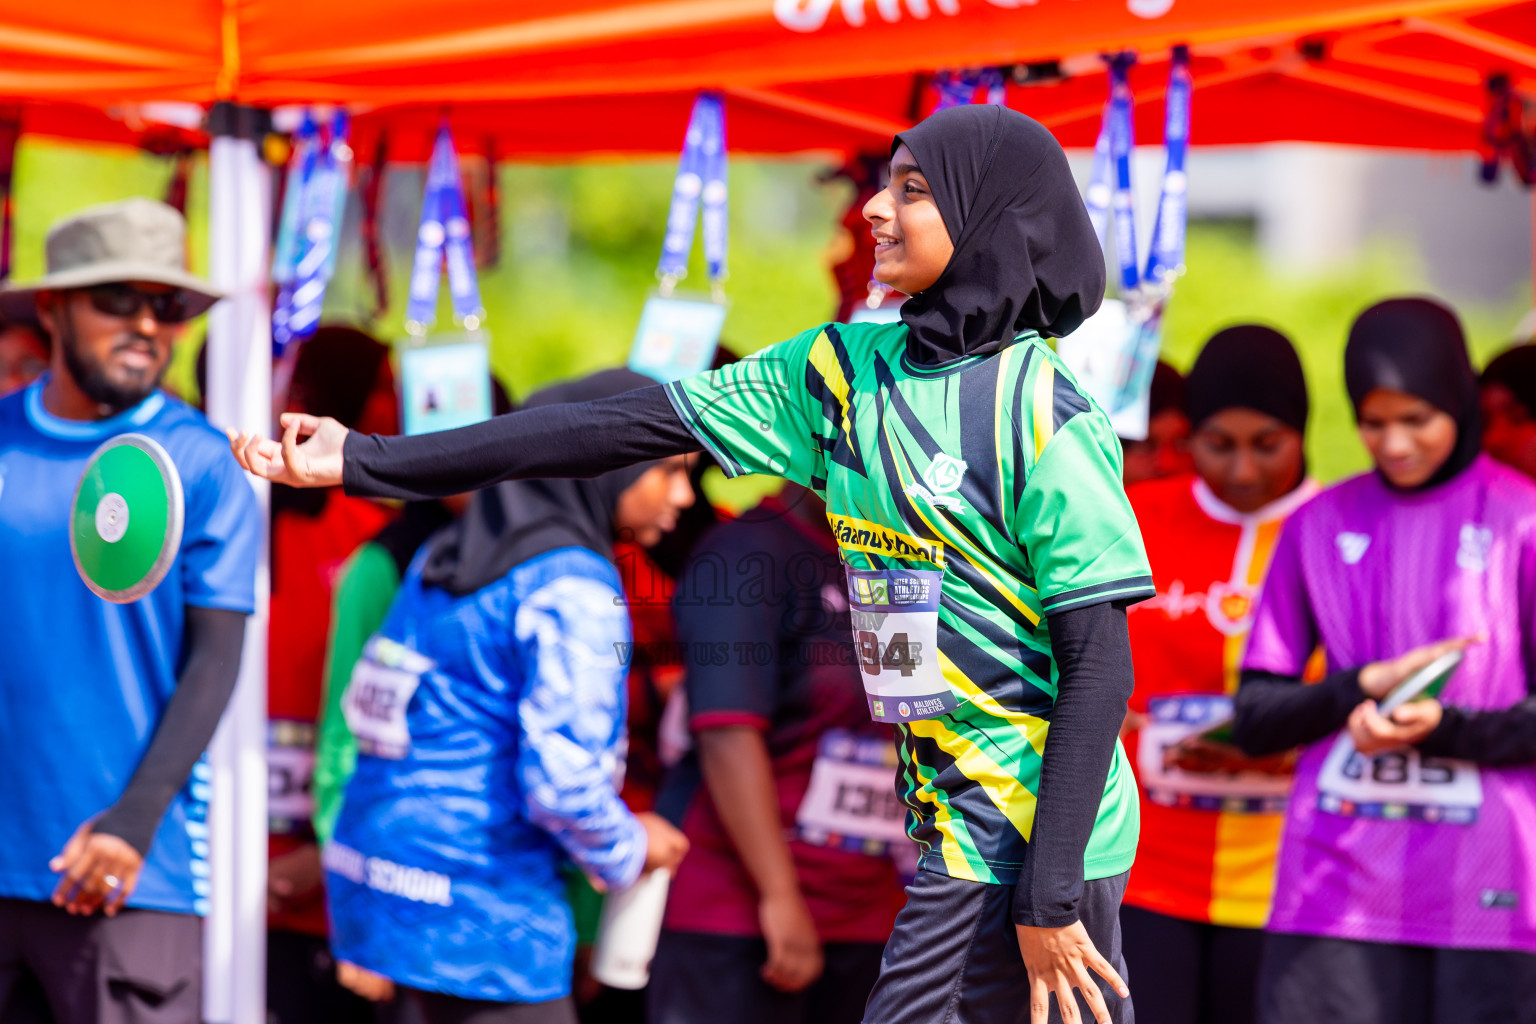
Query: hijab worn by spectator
(1416, 346)
(1515, 370)
(1168, 390)
(517, 520)
(1026, 257)
(1248, 367)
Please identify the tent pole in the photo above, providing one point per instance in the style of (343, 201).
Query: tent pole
(240, 396)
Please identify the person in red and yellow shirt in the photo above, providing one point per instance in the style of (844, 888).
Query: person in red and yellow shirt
(1199, 894)
(344, 373)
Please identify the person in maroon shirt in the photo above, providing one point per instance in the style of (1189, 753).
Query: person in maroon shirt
(781, 909)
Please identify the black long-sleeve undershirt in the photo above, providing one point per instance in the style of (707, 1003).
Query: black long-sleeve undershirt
(213, 640)
(1092, 648)
(580, 440)
(1493, 739)
(1275, 713)
(1092, 644)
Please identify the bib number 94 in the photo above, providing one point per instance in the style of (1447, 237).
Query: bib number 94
(895, 614)
(896, 654)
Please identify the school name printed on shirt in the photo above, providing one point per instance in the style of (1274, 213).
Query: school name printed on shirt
(812, 15)
(872, 538)
(380, 875)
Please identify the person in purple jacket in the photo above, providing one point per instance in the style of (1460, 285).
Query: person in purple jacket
(1404, 889)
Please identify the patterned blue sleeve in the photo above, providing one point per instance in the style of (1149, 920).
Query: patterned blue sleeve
(571, 715)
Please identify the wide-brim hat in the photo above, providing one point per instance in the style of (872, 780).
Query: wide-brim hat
(131, 240)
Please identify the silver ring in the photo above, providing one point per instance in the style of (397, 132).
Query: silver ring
(112, 881)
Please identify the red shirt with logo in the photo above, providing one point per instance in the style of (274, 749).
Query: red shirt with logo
(1210, 822)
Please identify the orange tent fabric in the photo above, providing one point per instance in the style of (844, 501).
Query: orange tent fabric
(557, 78)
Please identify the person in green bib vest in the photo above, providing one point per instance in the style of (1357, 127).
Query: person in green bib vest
(974, 493)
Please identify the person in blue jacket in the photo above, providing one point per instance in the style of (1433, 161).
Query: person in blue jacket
(489, 713)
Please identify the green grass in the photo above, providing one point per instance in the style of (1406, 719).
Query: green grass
(580, 246)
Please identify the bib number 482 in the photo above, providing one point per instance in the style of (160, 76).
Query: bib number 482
(897, 654)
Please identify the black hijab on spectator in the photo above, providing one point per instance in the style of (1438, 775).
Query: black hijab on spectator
(1026, 257)
(1515, 369)
(1416, 346)
(1250, 367)
(517, 520)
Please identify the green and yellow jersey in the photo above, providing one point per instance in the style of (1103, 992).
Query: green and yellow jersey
(997, 480)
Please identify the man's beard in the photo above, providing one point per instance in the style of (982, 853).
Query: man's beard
(91, 378)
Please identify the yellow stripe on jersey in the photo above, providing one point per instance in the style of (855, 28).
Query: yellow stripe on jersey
(1032, 728)
(1006, 792)
(823, 358)
(1243, 869)
(1004, 375)
(955, 862)
(1043, 414)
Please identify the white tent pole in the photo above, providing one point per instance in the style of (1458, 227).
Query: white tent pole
(239, 395)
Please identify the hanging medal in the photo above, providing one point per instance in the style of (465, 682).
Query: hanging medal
(678, 333)
(445, 377)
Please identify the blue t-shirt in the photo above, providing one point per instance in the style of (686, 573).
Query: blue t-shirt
(444, 872)
(83, 682)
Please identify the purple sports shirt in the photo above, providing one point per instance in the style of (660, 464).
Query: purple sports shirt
(1369, 573)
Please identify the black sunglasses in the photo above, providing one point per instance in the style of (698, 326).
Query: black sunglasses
(124, 300)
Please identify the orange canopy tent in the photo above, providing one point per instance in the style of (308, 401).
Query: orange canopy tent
(558, 78)
(618, 76)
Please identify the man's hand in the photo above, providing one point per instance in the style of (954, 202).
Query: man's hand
(99, 870)
(294, 879)
(1409, 724)
(314, 463)
(373, 987)
(1380, 678)
(665, 846)
(794, 949)
(1058, 960)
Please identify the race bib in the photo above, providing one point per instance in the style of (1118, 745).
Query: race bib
(895, 614)
(383, 681)
(1232, 788)
(290, 775)
(851, 802)
(1398, 784)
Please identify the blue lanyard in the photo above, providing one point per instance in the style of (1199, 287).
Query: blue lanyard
(958, 88)
(1109, 182)
(701, 178)
(1165, 261)
(1099, 188)
(305, 256)
(443, 236)
(1122, 144)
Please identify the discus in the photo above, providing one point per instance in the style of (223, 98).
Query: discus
(125, 526)
(1426, 682)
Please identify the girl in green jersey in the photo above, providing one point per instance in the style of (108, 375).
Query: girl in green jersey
(974, 490)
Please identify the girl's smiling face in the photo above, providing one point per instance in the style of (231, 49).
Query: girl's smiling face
(912, 245)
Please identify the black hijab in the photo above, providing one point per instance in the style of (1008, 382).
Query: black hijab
(1416, 346)
(1251, 367)
(516, 520)
(1026, 257)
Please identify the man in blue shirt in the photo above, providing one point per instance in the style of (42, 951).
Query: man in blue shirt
(105, 709)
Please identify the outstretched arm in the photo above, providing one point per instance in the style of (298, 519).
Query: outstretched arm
(576, 440)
